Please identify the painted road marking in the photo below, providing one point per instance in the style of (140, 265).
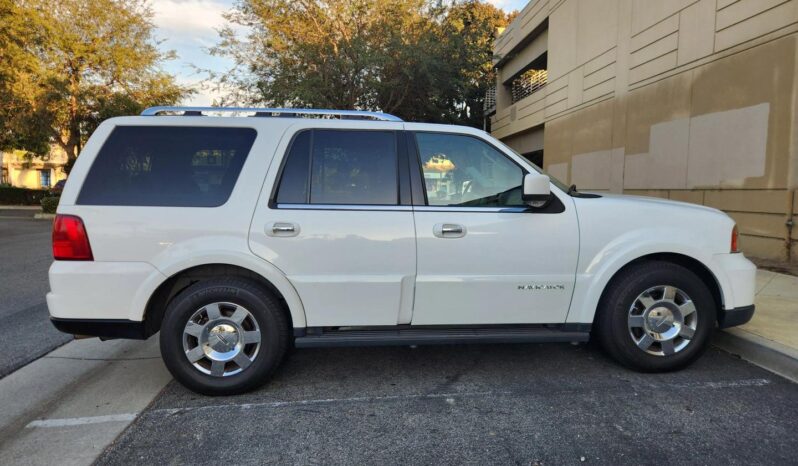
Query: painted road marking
(80, 421)
(448, 398)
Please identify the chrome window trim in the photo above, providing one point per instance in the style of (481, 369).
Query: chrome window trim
(400, 208)
(470, 209)
(366, 207)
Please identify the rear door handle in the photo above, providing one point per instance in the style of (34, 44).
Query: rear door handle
(282, 229)
(448, 230)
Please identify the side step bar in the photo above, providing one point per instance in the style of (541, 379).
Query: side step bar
(436, 336)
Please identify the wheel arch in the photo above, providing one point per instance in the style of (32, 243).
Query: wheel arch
(690, 263)
(159, 299)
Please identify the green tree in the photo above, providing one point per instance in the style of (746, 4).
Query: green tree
(420, 59)
(21, 74)
(74, 63)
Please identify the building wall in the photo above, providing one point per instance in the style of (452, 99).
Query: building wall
(692, 100)
(22, 172)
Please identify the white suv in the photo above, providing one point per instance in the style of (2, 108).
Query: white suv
(240, 237)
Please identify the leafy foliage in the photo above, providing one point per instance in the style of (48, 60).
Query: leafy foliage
(419, 59)
(50, 204)
(65, 66)
(21, 196)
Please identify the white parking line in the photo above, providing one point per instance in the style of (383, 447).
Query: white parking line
(449, 398)
(80, 421)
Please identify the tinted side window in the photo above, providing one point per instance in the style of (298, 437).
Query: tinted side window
(167, 166)
(465, 171)
(346, 167)
(293, 187)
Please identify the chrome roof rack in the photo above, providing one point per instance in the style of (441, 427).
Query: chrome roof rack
(272, 112)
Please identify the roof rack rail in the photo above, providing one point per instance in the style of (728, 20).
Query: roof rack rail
(270, 112)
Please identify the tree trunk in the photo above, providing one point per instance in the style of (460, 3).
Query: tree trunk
(73, 127)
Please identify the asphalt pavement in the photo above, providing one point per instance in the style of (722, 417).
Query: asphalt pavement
(502, 404)
(25, 256)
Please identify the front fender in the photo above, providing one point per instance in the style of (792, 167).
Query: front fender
(596, 268)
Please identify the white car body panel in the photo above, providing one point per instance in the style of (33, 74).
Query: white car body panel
(381, 267)
(509, 267)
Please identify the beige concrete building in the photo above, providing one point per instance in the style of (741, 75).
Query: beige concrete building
(21, 171)
(692, 100)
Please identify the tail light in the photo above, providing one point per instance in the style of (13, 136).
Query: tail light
(70, 241)
(734, 244)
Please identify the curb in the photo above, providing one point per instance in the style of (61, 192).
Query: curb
(768, 354)
(20, 207)
(42, 216)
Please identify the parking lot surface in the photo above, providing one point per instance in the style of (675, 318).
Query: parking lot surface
(25, 256)
(521, 404)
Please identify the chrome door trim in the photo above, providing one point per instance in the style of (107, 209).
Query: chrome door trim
(400, 208)
(359, 207)
(470, 209)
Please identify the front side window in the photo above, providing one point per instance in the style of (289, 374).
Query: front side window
(340, 167)
(175, 166)
(464, 171)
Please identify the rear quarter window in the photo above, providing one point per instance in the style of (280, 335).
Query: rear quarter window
(174, 166)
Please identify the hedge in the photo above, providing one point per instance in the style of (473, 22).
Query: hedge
(49, 204)
(21, 196)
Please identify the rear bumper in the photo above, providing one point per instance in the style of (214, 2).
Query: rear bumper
(105, 328)
(737, 316)
(100, 291)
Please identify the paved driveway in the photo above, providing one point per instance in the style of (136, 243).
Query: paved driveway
(514, 404)
(25, 257)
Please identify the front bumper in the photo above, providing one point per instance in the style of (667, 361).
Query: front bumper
(736, 276)
(737, 316)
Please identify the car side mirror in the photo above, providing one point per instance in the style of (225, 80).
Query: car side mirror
(537, 190)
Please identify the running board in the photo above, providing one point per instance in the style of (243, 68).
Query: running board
(437, 336)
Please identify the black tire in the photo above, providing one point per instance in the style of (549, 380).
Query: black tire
(262, 306)
(613, 327)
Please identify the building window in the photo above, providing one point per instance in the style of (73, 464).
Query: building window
(44, 178)
(535, 157)
(528, 82)
(534, 77)
(4, 176)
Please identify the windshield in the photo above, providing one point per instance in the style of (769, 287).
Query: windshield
(563, 187)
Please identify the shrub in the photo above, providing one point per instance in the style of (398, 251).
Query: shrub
(21, 196)
(50, 204)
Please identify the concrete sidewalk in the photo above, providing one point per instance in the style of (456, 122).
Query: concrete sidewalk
(68, 406)
(770, 339)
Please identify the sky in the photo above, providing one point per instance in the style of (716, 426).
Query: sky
(189, 28)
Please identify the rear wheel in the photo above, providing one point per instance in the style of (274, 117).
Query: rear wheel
(656, 316)
(224, 336)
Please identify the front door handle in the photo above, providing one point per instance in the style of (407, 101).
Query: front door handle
(449, 230)
(282, 229)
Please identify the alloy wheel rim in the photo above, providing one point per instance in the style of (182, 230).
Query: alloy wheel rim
(221, 339)
(662, 320)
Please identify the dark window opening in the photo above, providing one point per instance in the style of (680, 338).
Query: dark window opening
(535, 157)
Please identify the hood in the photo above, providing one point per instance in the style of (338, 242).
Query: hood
(655, 201)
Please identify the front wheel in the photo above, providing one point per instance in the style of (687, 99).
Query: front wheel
(656, 316)
(223, 336)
